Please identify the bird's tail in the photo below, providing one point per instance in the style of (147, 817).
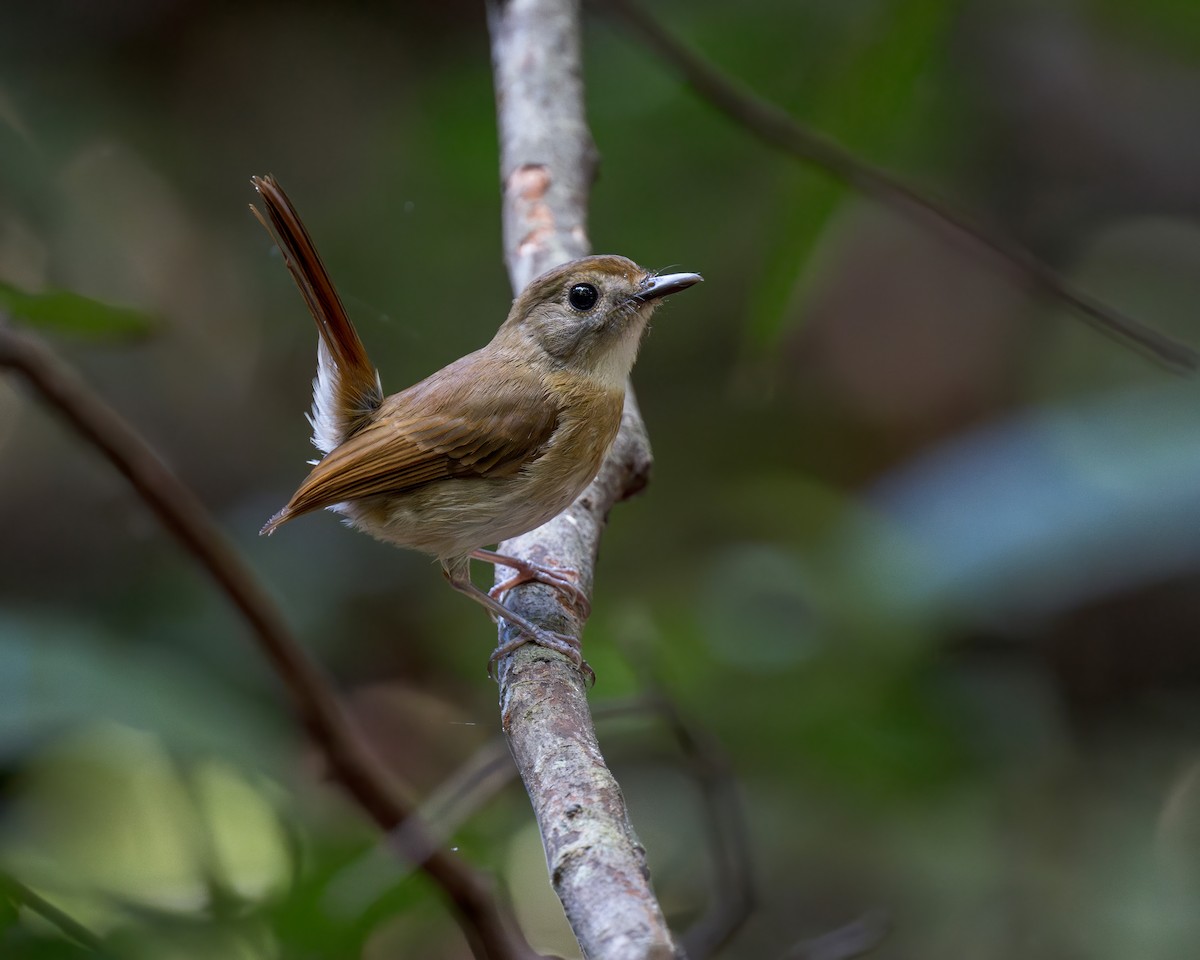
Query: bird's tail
(346, 389)
(282, 517)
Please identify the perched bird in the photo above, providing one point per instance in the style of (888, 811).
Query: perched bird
(487, 448)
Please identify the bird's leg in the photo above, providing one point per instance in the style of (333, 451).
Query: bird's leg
(458, 573)
(528, 572)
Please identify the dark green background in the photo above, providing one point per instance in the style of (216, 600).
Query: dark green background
(920, 551)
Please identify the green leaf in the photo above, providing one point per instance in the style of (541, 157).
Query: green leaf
(73, 313)
(9, 914)
(872, 92)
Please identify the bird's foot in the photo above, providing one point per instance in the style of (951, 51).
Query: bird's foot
(563, 643)
(561, 578)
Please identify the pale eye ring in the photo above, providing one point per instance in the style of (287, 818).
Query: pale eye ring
(583, 297)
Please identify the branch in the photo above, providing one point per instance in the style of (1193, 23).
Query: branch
(733, 896)
(855, 939)
(486, 926)
(490, 770)
(547, 162)
(547, 155)
(22, 896)
(776, 128)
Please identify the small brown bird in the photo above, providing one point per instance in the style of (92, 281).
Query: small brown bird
(488, 447)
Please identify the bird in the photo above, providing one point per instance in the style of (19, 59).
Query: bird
(487, 448)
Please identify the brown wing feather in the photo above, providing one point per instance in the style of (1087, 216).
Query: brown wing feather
(457, 423)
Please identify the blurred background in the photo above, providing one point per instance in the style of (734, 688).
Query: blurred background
(920, 550)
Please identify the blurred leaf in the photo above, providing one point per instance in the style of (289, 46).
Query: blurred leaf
(1170, 25)
(103, 810)
(8, 913)
(870, 97)
(241, 939)
(248, 848)
(1048, 510)
(55, 672)
(70, 312)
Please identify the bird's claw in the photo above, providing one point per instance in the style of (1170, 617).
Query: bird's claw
(561, 578)
(563, 643)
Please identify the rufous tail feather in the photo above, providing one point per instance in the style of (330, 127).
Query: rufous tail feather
(282, 517)
(348, 389)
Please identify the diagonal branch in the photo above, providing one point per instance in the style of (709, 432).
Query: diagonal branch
(853, 940)
(490, 770)
(547, 162)
(733, 896)
(21, 896)
(486, 925)
(775, 127)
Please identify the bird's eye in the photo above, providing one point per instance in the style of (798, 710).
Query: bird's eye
(583, 296)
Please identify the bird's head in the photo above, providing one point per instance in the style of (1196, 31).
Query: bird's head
(589, 315)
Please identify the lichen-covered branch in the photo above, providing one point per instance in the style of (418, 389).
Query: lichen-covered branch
(547, 162)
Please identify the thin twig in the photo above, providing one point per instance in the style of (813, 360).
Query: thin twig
(464, 793)
(857, 938)
(21, 895)
(547, 163)
(776, 127)
(485, 923)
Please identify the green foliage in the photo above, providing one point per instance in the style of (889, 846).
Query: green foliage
(933, 596)
(869, 96)
(63, 311)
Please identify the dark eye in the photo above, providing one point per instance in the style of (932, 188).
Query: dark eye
(583, 296)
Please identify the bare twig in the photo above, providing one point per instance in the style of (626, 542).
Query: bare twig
(486, 925)
(775, 127)
(465, 792)
(855, 939)
(22, 896)
(547, 161)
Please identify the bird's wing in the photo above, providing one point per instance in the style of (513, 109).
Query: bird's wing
(461, 422)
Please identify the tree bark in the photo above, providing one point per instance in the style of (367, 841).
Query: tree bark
(547, 163)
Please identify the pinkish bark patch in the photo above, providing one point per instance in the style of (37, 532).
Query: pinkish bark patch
(527, 188)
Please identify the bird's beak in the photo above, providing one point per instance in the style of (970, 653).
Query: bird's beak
(655, 287)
